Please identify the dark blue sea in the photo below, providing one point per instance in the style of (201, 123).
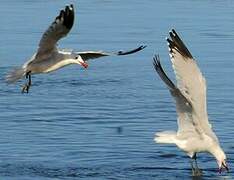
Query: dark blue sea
(99, 123)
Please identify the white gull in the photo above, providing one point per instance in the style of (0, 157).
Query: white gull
(49, 58)
(194, 132)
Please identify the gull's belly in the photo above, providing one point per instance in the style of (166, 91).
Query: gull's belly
(47, 65)
(196, 144)
(54, 66)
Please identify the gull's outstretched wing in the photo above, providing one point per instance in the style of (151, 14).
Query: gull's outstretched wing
(190, 81)
(58, 29)
(87, 55)
(183, 106)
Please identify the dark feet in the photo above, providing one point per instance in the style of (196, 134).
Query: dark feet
(195, 170)
(25, 88)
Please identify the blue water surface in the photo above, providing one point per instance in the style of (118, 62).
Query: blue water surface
(99, 123)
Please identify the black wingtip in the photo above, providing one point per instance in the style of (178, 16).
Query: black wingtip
(61, 14)
(161, 73)
(169, 41)
(175, 35)
(143, 46)
(69, 6)
(171, 34)
(158, 66)
(156, 62)
(173, 30)
(175, 43)
(120, 53)
(69, 17)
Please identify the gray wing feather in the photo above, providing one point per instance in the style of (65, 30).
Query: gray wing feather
(179, 97)
(183, 106)
(191, 82)
(57, 30)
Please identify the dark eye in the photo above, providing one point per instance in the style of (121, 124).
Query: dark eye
(76, 57)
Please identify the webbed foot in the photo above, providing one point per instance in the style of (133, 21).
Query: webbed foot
(196, 172)
(25, 88)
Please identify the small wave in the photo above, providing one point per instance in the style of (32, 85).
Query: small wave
(17, 170)
(167, 155)
(217, 35)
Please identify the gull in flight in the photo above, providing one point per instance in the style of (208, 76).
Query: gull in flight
(49, 58)
(194, 132)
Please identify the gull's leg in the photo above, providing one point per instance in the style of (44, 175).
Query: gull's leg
(193, 169)
(196, 170)
(26, 87)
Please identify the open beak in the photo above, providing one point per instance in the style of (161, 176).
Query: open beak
(225, 166)
(84, 64)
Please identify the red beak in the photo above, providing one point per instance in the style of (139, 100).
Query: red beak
(85, 65)
(225, 166)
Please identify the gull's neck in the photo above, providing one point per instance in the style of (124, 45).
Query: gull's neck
(64, 58)
(218, 153)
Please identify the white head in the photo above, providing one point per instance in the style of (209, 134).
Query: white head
(221, 159)
(74, 58)
(80, 61)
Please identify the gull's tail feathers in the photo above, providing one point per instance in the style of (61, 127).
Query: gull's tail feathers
(16, 74)
(168, 137)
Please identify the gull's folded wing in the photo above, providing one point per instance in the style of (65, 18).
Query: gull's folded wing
(190, 81)
(58, 29)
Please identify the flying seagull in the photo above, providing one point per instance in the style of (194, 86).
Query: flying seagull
(194, 132)
(49, 58)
